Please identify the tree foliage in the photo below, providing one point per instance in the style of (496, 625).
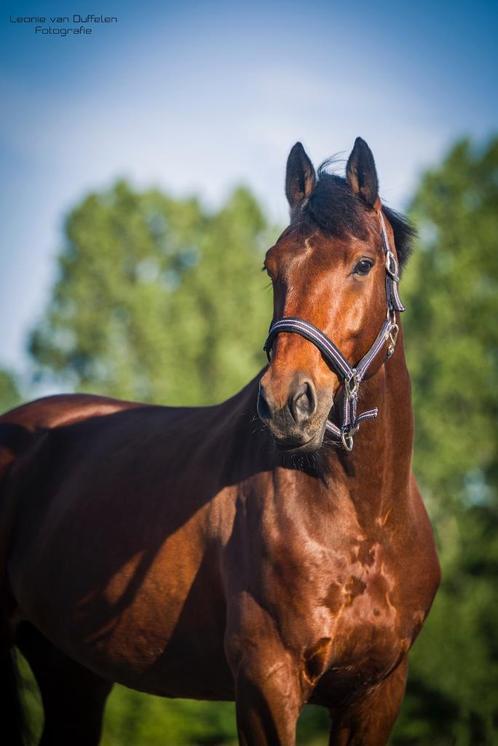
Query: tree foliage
(452, 334)
(10, 395)
(451, 289)
(157, 299)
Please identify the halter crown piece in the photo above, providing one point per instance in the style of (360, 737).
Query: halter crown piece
(351, 376)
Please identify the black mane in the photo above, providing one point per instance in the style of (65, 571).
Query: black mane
(404, 233)
(336, 210)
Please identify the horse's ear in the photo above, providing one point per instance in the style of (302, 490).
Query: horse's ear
(300, 177)
(361, 172)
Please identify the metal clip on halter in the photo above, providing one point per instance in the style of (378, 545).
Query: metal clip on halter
(347, 441)
(351, 376)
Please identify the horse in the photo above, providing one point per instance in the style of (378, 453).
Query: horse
(185, 552)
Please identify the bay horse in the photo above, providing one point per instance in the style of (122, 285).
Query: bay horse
(185, 553)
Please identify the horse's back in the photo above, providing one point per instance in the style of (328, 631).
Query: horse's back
(21, 427)
(52, 411)
(24, 427)
(80, 416)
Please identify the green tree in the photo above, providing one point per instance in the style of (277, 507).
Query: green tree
(451, 289)
(157, 299)
(10, 395)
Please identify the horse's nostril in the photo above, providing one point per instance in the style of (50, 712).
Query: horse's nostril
(264, 410)
(302, 402)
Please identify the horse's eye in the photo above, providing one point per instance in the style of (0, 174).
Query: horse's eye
(363, 267)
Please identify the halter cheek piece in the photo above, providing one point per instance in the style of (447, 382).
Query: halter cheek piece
(351, 376)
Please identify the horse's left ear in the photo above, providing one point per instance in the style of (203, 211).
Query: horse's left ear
(361, 173)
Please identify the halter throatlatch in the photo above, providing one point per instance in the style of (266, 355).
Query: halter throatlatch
(351, 376)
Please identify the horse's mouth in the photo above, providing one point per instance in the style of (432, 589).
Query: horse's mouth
(290, 446)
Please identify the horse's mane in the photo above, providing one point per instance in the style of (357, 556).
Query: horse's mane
(335, 209)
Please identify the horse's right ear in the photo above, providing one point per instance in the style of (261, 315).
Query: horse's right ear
(361, 173)
(300, 178)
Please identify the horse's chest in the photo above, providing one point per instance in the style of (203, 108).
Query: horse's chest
(369, 627)
(353, 597)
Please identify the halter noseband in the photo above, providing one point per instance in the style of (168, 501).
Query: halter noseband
(351, 376)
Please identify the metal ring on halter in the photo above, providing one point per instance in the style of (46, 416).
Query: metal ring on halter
(347, 441)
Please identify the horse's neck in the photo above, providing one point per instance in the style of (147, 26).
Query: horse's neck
(375, 475)
(377, 472)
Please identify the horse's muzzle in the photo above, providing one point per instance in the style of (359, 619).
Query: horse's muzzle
(297, 425)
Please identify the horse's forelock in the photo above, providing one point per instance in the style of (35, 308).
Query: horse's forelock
(337, 211)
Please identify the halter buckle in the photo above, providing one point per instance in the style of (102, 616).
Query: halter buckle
(351, 386)
(393, 337)
(392, 267)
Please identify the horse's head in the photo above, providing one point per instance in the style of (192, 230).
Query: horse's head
(327, 268)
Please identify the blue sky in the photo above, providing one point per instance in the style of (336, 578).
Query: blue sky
(200, 96)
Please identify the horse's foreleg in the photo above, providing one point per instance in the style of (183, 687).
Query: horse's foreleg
(268, 702)
(369, 720)
(267, 690)
(73, 697)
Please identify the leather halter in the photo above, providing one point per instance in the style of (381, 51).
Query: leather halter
(352, 376)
